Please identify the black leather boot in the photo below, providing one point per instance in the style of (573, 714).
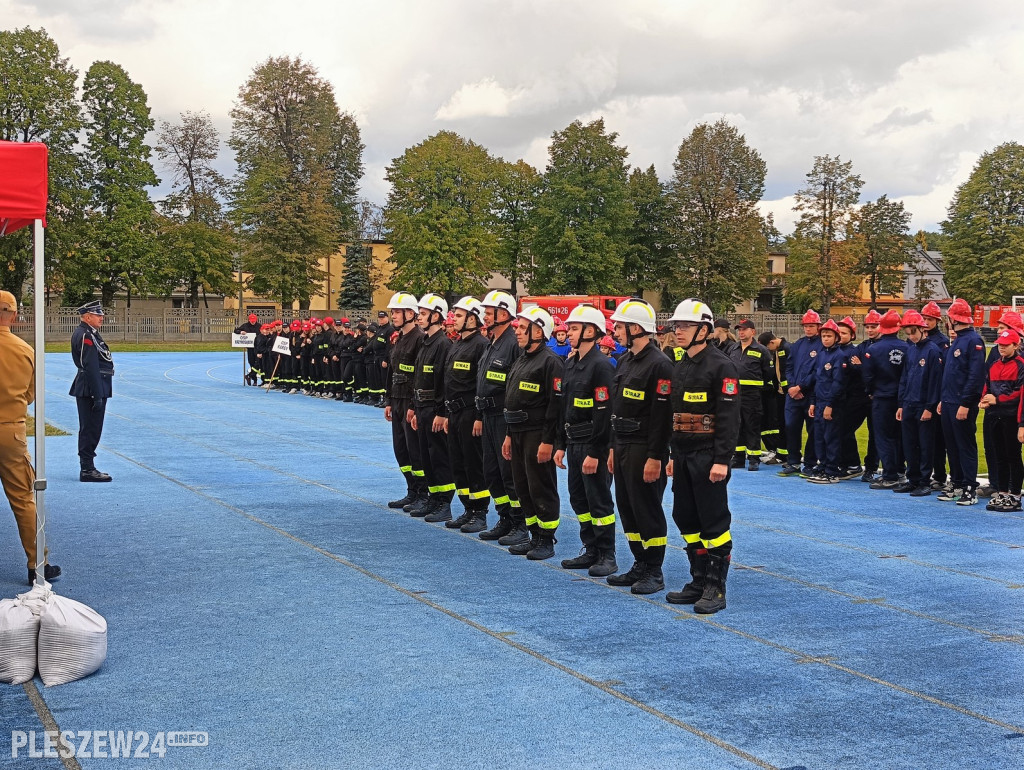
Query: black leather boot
(693, 590)
(713, 599)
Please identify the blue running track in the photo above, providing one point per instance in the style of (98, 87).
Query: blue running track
(258, 589)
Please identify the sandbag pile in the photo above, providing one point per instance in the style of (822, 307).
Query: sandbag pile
(64, 639)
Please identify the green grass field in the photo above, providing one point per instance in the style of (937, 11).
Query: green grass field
(30, 428)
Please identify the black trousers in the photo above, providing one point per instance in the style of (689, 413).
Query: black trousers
(962, 445)
(407, 448)
(90, 428)
(828, 440)
(887, 436)
(751, 412)
(498, 470)
(466, 452)
(700, 508)
(773, 406)
(855, 412)
(1003, 452)
(796, 419)
(639, 503)
(434, 454)
(939, 452)
(590, 496)
(918, 437)
(536, 483)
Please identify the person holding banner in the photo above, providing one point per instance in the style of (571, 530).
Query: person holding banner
(252, 328)
(17, 391)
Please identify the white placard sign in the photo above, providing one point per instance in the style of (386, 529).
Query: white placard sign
(243, 340)
(282, 345)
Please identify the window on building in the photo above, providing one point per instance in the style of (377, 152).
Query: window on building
(771, 266)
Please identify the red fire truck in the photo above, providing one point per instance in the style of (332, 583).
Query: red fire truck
(560, 305)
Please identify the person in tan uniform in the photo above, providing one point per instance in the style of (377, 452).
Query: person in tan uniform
(17, 391)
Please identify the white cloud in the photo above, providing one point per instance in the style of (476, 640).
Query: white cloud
(485, 98)
(910, 91)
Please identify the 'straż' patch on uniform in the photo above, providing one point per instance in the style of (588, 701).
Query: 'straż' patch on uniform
(730, 387)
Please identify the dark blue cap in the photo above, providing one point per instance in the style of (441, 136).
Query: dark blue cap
(96, 308)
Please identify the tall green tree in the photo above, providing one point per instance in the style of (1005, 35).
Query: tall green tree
(299, 162)
(39, 103)
(823, 255)
(720, 246)
(649, 253)
(583, 213)
(984, 258)
(197, 245)
(440, 214)
(514, 198)
(882, 228)
(119, 243)
(356, 286)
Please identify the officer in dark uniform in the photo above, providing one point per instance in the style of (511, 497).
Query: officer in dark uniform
(252, 327)
(641, 423)
(773, 399)
(705, 424)
(584, 439)
(531, 410)
(91, 387)
(491, 387)
(465, 448)
(752, 360)
(404, 312)
(428, 411)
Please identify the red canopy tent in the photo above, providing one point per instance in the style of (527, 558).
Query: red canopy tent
(23, 190)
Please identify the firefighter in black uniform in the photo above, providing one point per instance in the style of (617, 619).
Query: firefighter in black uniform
(382, 352)
(753, 360)
(641, 425)
(531, 409)
(371, 358)
(91, 387)
(345, 358)
(705, 424)
(465, 449)
(260, 348)
(584, 438)
(252, 327)
(404, 312)
(491, 382)
(427, 414)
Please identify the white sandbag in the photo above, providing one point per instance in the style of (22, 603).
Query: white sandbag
(19, 630)
(72, 641)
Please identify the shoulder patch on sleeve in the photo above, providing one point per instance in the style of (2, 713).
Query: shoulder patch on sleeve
(730, 387)
(87, 341)
(558, 384)
(601, 393)
(664, 387)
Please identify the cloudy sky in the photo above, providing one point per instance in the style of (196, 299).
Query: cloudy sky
(912, 91)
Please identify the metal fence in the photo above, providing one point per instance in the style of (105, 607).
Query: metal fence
(168, 325)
